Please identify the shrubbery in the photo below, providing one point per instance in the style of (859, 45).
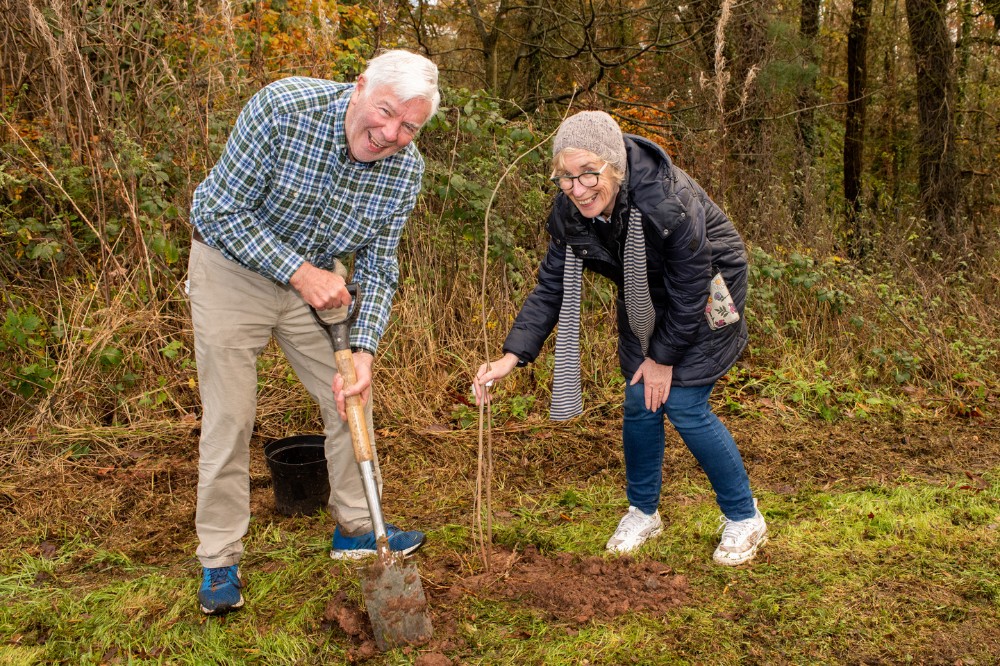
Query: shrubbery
(99, 170)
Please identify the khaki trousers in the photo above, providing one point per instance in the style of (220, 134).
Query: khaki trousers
(235, 312)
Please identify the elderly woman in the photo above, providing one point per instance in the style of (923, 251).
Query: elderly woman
(627, 212)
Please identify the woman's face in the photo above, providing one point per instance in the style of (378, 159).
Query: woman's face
(590, 201)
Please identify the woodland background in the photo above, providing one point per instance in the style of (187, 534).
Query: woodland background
(854, 144)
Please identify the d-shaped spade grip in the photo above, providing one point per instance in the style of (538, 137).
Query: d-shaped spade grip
(339, 330)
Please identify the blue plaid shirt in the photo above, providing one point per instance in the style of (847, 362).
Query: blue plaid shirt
(285, 192)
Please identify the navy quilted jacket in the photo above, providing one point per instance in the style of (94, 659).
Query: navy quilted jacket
(688, 237)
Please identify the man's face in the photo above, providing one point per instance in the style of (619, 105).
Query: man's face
(378, 124)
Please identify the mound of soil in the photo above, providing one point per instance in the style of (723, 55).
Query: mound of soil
(578, 589)
(564, 586)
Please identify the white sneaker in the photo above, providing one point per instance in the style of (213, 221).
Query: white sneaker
(740, 539)
(633, 530)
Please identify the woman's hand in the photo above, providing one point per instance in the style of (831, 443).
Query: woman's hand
(489, 372)
(657, 379)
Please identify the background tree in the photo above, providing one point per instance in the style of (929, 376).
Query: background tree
(489, 38)
(805, 121)
(939, 178)
(539, 52)
(854, 125)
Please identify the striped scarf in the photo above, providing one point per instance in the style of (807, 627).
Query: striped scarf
(567, 394)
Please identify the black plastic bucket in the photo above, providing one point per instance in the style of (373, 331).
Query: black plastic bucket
(298, 474)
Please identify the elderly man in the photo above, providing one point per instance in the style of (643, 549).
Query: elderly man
(313, 171)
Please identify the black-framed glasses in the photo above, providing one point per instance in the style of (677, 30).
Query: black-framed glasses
(587, 179)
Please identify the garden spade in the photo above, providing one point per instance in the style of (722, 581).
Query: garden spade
(391, 587)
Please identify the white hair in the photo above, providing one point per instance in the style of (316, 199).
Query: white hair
(408, 75)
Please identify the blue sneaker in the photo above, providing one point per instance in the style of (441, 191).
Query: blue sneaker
(363, 545)
(220, 590)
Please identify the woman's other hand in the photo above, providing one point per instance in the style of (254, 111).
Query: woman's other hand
(657, 379)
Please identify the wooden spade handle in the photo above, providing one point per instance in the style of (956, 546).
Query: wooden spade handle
(355, 410)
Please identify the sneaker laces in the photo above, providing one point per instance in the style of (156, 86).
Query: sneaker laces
(218, 577)
(632, 522)
(736, 531)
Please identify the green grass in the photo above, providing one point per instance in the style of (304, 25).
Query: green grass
(876, 571)
(906, 571)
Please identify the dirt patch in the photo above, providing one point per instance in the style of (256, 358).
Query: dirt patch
(432, 659)
(565, 587)
(572, 588)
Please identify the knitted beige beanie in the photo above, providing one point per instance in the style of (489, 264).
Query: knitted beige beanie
(595, 131)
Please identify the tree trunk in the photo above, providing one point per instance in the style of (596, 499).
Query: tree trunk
(932, 51)
(489, 36)
(807, 97)
(704, 14)
(854, 124)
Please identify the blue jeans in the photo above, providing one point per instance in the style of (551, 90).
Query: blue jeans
(703, 433)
